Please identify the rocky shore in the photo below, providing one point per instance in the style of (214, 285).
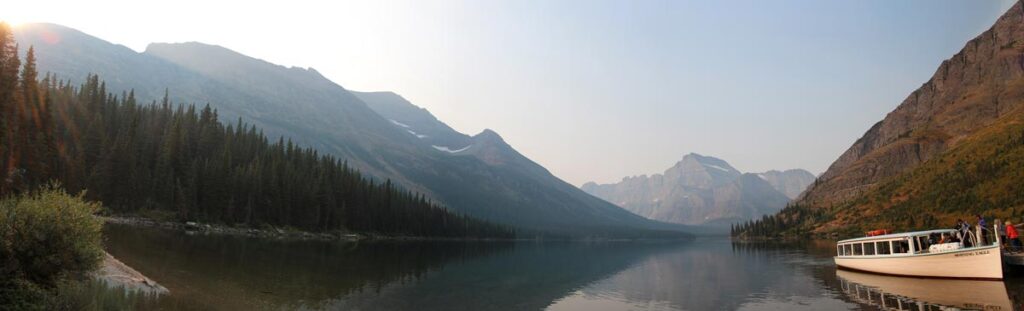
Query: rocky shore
(201, 228)
(276, 233)
(115, 273)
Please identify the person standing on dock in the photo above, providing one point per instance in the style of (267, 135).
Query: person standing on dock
(1011, 234)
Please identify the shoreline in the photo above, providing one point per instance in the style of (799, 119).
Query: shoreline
(116, 274)
(291, 234)
(277, 233)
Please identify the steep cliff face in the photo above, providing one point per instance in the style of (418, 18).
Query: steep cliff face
(968, 92)
(696, 190)
(790, 182)
(953, 149)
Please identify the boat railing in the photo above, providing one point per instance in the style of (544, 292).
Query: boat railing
(980, 236)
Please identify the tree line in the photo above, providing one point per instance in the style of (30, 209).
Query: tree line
(182, 161)
(791, 221)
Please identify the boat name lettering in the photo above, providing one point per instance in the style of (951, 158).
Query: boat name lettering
(971, 254)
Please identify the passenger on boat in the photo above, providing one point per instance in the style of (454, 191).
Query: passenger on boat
(983, 228)
(1011, 235)
(962, 230)
(1001, 231)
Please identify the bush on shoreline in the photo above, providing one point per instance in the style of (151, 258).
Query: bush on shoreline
(46, 238)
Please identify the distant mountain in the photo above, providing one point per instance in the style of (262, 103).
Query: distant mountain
(789, 182)
(702, 190)
(481, 175)
(953, 148)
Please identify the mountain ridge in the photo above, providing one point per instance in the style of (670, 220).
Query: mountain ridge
(930, 120)
(951, 149)
(495, 183)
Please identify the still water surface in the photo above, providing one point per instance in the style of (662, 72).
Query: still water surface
(237, 273)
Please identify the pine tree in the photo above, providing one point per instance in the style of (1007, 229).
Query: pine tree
(10, 114)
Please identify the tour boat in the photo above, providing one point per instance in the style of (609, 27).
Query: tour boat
(913, 254)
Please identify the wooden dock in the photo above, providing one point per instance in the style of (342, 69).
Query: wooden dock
(1015, 259)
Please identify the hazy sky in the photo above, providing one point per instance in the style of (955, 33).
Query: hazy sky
(592, 90)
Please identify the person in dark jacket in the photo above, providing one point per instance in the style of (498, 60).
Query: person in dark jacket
(982, 236)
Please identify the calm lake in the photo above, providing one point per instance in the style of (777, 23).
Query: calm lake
(211, 272)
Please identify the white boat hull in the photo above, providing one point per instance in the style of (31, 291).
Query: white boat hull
(969, 263)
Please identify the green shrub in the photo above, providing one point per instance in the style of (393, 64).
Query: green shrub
(45, 237)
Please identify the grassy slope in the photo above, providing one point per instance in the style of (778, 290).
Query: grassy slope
(982, 174)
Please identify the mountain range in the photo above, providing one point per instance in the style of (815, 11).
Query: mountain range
(379, 133)
(953, 148)
(702, 190)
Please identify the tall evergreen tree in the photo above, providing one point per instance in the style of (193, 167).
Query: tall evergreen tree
(9, 108)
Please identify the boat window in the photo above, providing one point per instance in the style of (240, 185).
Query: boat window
(925, 242)
(847, 250)
(891, 302)
(869, 248)
(858, 249)
(900, 247)
(882, 247)
(839, 250)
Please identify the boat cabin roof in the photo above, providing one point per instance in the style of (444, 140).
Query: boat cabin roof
(897, 235)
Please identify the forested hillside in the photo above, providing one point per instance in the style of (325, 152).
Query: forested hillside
(181, 161)
(983, 175)
(489, 180)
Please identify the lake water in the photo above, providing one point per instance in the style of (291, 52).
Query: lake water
(237, 273)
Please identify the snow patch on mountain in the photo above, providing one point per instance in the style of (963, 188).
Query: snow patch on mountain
(449, 150)
(716, 167)
(399, 123)
(418, 135)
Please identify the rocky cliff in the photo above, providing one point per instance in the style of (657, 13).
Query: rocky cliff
(790, 182)
(952, 149)
(968, 92)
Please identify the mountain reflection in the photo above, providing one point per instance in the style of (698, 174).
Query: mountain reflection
(711, 275)
(237, 273)
(529, 277)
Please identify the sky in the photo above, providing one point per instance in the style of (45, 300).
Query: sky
(594, 90)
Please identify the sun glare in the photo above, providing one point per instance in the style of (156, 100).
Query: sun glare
(12, 21)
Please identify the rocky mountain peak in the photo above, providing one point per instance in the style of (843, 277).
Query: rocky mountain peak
(699, 171)
(488, 135)
(696, 190)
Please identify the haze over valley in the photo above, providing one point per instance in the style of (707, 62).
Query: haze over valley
(511, 155)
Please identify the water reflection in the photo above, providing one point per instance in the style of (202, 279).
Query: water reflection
(714, 275)
(901, 293)
(238, 273)
(232, 273)
(529, 277)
